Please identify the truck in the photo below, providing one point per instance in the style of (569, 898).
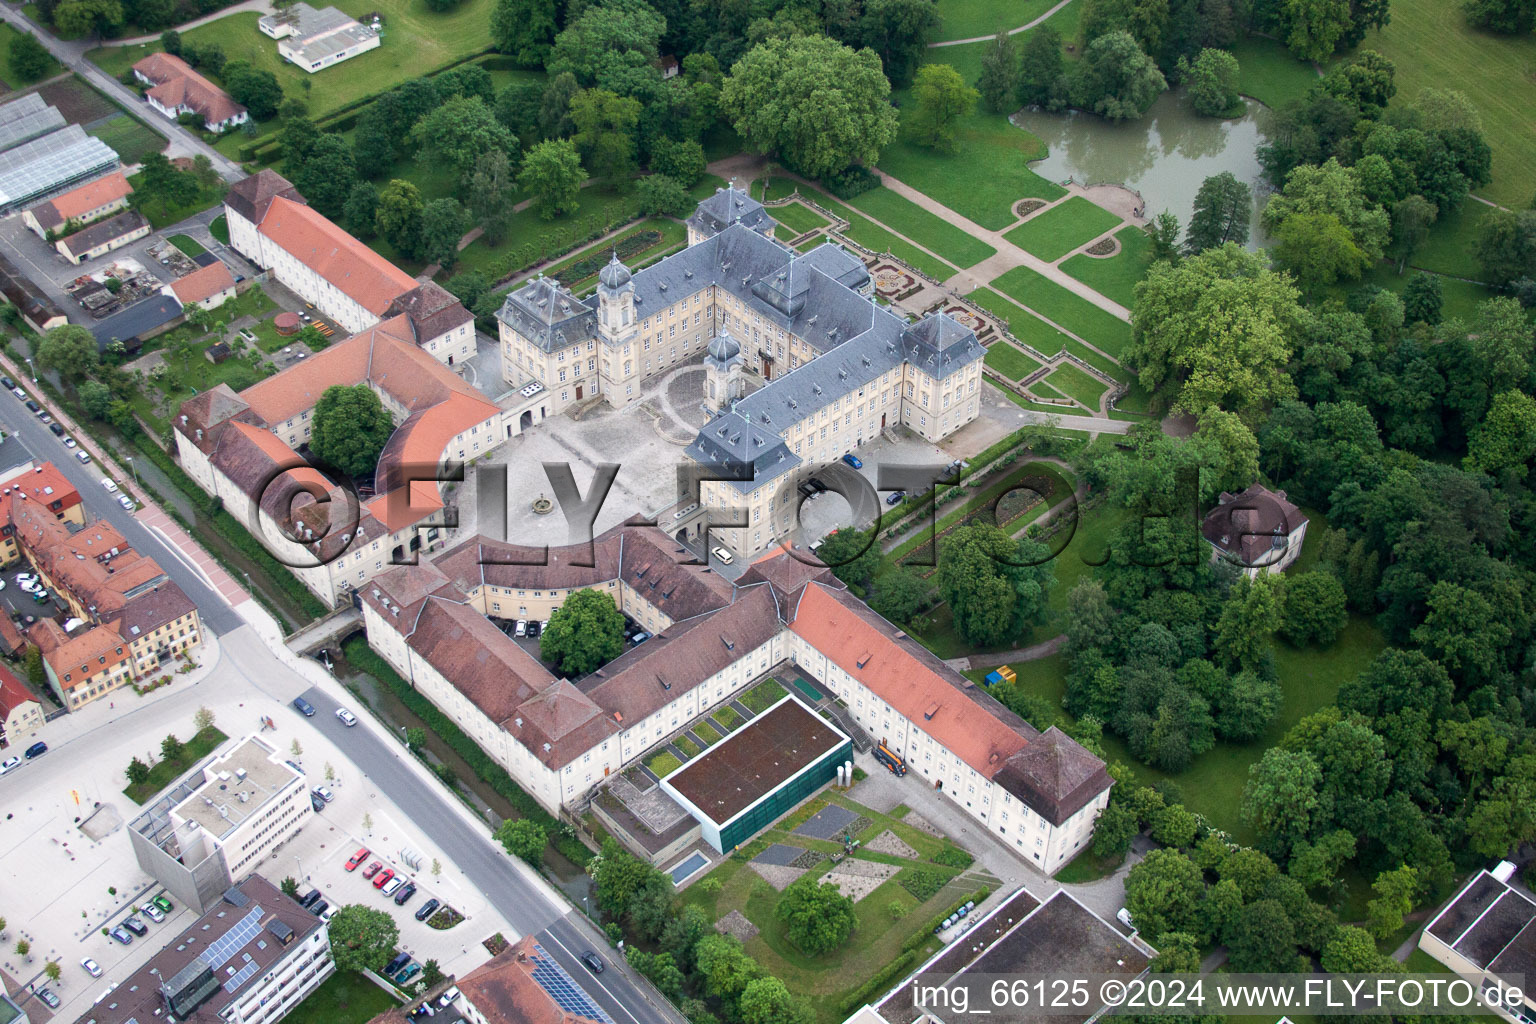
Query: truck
(887, 757)
(1000, 675)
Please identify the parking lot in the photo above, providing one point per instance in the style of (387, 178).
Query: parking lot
(23, 607)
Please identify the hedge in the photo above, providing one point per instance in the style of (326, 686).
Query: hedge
(364, 659)
(918, 937)
(882, 978)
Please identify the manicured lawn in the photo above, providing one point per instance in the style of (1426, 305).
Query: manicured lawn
(871, 235)
(345, 998)
(1101, 329)
(163, 773)
(1434, 48)
(1269, 73)
(1448, 249)
(219, 228)
(1076, 384)
(187, 244)
(1045, 407)
(1115, 276)
(727, 717)
(663, 764)
(1096, 359)
(1459, 299)
(1043, 390)
(1010, 361)
(989, 171)
(1023, 324)
(922, 227)
(1062, 228)
(8, 76)
(130, 138)
(967, 19)
(706, 732)
(763, 695)
(417, 41)
(798, 218)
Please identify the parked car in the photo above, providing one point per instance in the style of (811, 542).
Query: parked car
(18, 393)
(392, 886)
(327, 914)
(347, 718)
(1124, 917)
(108, 483)
(127, 502)
(136, 926)
(33, 406)
(640, 637)
(896, 497)
(45, 418)
(57, 429)
(48, 997)
(310, 898)
(41, 596)
(723, 555)
(37, 749)
(9, 765)
(84, 457)
(91, 967)
(304, 707)
(372, 869)
(7, 382)
(164, 903)
(324, 794)
(69, 442)
(316, 803)
(407, 972)
(427, 909)
(382, 878)
(853, 460)
(357, 858)
(522, 628)
(404, 895)
(121, 935)
(535, 627)
(398, 961)
(152, 912)
(593, 961)
(319, 908)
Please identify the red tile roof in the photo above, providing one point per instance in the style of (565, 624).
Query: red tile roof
(176, 85)
(504, 991)
(354, 269)
(202, 283)
(93, 195)
(13, 693)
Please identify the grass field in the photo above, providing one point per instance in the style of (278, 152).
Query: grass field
(989, 171)
(1115, 276)
(162, 214)
(346, 998)
(967, 19)
(1023, 324)
(197, 372)
(416, 42)
(1074, 383)
(1459, 299)
(219, 228)
(7, 75)
(1434, 48)
(798, 218)
(187, 244)
(130, 138)
(922, 227)
(1043, 390)
(1448, 249)
(1062, 228)
(1102, 330)
(1268, 72)
(164, 772)
(1045, 407)
(1009, 361)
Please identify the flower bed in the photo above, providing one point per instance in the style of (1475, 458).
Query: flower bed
(891, 280)
(592, 263)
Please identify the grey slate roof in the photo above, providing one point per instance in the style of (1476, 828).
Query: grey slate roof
(548, 314)
(729, 206)
(136, 320)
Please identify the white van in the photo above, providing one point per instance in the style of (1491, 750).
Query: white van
(724, 555)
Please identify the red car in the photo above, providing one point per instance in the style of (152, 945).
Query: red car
(372, 869)
(357, 858)
(383, 876)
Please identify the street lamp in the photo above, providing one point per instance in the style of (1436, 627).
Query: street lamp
(300, 864)
(135, 470)
(32, 368)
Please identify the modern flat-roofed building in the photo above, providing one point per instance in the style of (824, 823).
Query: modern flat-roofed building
(253, 956)
(1488, 931)
(316, 38)
(216, 825)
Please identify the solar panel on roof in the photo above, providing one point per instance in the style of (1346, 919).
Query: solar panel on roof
(563, 990)
(240, 978)
(231, 942)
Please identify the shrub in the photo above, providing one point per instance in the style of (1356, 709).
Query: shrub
(851, 181)
(953, 857)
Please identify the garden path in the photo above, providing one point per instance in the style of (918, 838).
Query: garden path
(1013, 31)
(259, 6)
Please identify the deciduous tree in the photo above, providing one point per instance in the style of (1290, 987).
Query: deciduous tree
(524, 30)
(70, 350)
(1212, 83)
(942, 99)
(458, 133)
(583, 633)
(362, 938)
(351, 427)
(523, 838)
(998, 85)
(552, 172)
(818, 917)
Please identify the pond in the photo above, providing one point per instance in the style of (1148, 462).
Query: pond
(1164, 156)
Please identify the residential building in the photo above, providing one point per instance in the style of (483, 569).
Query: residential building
(345, 280)
(250, 958)
(1488, 931)
(208, 287)
(130, 618)
(525, 985)
(103, 237)
(241, 448)
(840, 369)
(21, 713)
(177, 90)
(90, 202)
(315, 39)
(1258, 530)
(39, 311)
(50, 164)
(221, 820)
(1037, 792)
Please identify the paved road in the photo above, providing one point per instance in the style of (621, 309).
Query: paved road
(562, 932)
(71, 53)
(216, 615)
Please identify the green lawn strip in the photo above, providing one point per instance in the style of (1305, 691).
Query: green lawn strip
(1115, 276)
(1045, 407)
(131, 139)
(872, 236)
(1009, 360)
(931, 232)
(416, 42)
(672, 232)
(763, 696)
(988, 172)
(977, 500)
(1096, 359)
(687, 746)
(165, 772)
(1433, 47)
(967, 19)
(798, 218)
(344, 998)
(1077, 384)
(706, 732)
(8, 75)
(1085, 867)
(1057, 231)
(1021, 323)
(1133, 404)
(727, 718)
(812, 243)
(219, 228)
(187, 244)
(663, 764)
(1269, 73)
(1099, 328)
(1041, 389)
